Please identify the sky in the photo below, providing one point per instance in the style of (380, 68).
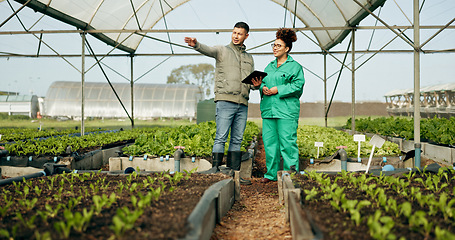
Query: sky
(381, 74)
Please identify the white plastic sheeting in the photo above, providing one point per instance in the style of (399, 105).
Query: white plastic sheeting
(144, 14)
(433, 88)
(330, 13)
(150, 100)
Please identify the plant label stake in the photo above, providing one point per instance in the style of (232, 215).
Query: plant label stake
(359, 138)
(376, 141)
(318, 145)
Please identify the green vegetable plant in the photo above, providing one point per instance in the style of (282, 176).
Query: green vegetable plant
(124, 220)
(103, 201)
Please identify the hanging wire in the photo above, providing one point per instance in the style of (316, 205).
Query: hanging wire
(107, 78)
(285, 12)
(39, 44)
(135, 15)
(403, 12)
(152, 68)
(375, 24)
(15, 14)
(295, 14)
(118, 73)
(241, 9)
(197, 15)
(165, 23)
(338, 79)
(421, 6)
(36, 22)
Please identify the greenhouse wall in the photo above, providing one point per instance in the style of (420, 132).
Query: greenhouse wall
(19, 105)
(150, 100)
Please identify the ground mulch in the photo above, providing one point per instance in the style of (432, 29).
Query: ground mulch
(258, 215)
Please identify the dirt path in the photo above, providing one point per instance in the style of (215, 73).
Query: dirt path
(258, 215)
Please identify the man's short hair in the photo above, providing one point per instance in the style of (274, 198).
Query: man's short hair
(242, 25)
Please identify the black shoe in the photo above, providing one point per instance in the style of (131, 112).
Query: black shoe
(227, 171)
(245, 181)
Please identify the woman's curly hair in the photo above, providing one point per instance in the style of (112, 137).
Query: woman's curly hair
(287, 35)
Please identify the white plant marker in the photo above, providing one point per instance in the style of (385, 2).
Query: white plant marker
(359, 138)
(376, 141)
(318, 145)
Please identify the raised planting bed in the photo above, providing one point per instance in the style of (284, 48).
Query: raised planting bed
(416, 204)
(94, 150)
(437, 135)
(105, 206)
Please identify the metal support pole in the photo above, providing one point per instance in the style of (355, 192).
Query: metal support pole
(325, 87)
(417, 144)
(132, 92)
(82, 84)
(353, 83)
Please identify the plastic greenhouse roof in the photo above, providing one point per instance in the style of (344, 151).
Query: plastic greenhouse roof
(432, 88)
(16, 98)
(121, 15)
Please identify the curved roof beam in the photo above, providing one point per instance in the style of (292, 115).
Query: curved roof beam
(339, 9)
(95, 12)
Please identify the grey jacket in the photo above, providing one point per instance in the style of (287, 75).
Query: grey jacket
(233, 64)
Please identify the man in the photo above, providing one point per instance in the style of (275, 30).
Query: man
(233, 64)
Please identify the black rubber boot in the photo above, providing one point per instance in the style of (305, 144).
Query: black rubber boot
(217, 160)
(236, 159)
(228, 169)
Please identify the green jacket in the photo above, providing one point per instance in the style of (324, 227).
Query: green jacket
(289, 80)
(233, 64)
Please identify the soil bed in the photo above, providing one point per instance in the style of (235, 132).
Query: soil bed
(338, 224)
(164, 218)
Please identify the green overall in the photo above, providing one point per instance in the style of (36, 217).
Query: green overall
(280, 115)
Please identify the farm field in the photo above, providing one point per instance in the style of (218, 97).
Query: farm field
(159, 140)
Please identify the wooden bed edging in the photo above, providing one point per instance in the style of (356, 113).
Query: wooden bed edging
(214, 204)
(302, 228)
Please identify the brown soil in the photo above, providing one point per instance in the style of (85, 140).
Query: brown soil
(337, 225)
(165, 218)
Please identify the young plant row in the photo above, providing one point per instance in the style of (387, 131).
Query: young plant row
(17, 134)
(158, 141)
(437, 130)
(67, 205)
(197, 140)
(55, 146)
(308, 135)
(418, 204)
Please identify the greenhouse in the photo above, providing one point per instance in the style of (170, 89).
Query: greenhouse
(19, 105)
(436, 100)
(150, 100)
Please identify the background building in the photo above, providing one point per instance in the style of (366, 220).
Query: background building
(150, 100)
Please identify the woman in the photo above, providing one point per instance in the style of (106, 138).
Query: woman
(280, 106)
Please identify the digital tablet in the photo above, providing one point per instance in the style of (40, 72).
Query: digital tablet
(255, 73)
